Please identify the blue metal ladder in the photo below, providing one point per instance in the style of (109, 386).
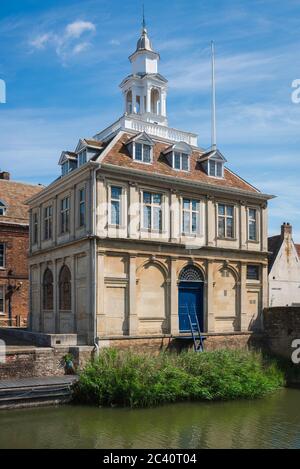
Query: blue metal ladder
(196, 331)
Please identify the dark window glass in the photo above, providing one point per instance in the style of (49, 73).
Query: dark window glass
(252, 272)
(48, 290)
(65, 289)
(82, 207)
(2, 255)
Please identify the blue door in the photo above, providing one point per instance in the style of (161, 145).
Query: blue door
(190, 300)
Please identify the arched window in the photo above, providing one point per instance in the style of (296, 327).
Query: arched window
(154, 101)
(65, 289)
(48, 290)
(2, 208)
(191, 273)
(129, 102)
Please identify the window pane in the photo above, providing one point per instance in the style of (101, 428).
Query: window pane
(221, 209)
(147, 217)
(221, 227)
(115, 212)
(177, 160)
(229, 227)
(195, 205)
(229, 210)
(252, 272)
(212, 168)
(186, 204)
(186, 222)
(157, 219)
(185, 162)
(147, 197)
(252, 230)
(156, 198)
(194, 222)
(147, 153)
(116, 192)
(138, 151)
(219, 169)
(252, 213)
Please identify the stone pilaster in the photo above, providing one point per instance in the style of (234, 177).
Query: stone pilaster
(209, 297)
(100, 313)
(174, 318)
(133, 318)
(244, 323)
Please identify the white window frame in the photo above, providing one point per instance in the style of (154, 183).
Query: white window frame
(181, 153)
(215, 175)
(63, 212)
(191, 211)
(142, 160)
(120, 201)
(225, 216)
(4, 256)
(153, 206)
(2, 287)
(80, 203)
(48, 222)
(256, 224)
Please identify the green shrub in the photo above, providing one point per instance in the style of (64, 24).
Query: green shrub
(129, 379)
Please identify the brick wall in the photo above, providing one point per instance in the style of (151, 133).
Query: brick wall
(16, 240)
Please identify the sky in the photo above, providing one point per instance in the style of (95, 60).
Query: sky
(62, 63)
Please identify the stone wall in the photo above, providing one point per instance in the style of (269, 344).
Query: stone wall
(282, 326)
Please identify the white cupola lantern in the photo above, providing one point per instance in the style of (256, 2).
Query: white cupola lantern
(145, 90)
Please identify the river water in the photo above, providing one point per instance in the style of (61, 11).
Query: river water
(273, 422)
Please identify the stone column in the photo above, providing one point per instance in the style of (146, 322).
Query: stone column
(209, 309)
(132, 311)
(73, 294)
(243, 299)
(174, 317)
(100, 312)
(264, 227)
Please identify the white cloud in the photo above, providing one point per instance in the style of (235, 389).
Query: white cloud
(114, 42)
(76, 29)
(66, 43)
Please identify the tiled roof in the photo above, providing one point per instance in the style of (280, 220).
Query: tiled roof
(14, 195)
(120, 156)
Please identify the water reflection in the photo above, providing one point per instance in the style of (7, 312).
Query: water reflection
(273, 422)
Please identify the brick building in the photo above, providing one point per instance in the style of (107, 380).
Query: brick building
(14, 240)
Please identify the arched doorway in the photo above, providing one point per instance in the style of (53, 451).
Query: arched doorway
(190, 297)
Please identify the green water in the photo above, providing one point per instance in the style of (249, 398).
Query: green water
(273, 422)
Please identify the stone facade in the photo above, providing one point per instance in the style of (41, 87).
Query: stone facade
(129, 236)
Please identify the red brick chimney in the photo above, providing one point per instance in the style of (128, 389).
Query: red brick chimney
(4, 175)
(286, 230)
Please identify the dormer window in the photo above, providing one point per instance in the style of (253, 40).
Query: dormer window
(141, 148)
(178, 156)
(213, 163)
(68, 166)
(2, 208)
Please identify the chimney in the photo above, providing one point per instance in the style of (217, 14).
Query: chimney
(4, 175)
(286, 230)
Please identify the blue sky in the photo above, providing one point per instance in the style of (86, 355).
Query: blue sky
(63, 61)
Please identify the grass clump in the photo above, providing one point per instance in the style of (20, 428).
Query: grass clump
(136, 380)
